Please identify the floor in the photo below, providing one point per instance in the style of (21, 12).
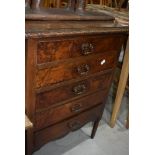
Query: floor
(108, 141)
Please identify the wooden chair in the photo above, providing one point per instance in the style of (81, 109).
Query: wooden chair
(106, 2)
(55, 3)
(45, 3)
(101, 2)
(119, 3)
(52, 3)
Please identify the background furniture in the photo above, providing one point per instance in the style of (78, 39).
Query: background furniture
(70, 61)
(110, 3)
(52, 3)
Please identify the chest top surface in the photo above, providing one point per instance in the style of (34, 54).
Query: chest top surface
(59, 22)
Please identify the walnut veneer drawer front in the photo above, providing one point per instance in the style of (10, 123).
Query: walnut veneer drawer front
(61, 129)
(72, 90)
(75, 68)
(54, 115)
(49, 50)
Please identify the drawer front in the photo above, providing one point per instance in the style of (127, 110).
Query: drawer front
(72, 90)
(76, 68)
(49, 50)
(61, 129)
(54, 115)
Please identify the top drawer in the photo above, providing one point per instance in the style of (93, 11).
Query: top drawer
(54, 49)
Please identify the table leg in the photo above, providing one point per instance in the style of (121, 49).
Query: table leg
(121, 86)
(96, 123)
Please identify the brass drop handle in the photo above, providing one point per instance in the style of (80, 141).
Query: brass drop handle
(76, 108)
(83, 69)
(79, 89)
(74, 125)
(87, 48)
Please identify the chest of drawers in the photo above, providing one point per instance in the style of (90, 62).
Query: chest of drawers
(69, 70)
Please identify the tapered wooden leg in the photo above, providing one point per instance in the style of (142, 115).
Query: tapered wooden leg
(121, 86)
(96, 123)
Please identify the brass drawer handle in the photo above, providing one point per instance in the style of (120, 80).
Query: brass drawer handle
(76, 108)
(74, 125)
(83, 69)
(87, 48)
(79, 89)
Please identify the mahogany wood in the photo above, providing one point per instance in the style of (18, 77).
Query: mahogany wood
(70, 60)
(96, 123)
(61, 129)
(54, 115)
(74, 68)
(52, 97)
(58, 49)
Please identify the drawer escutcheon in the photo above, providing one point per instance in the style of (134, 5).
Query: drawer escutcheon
(79, 89)
(83, 69)
(74, 125)
(76, 108)
(87, 48)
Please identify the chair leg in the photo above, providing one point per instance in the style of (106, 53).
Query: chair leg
(58, 4)
(101, 2)
(96, 123)
(116, 5)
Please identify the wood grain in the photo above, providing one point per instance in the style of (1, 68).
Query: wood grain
(57, 49)
(31, 46)
(61, 129)
(76, 68)
(52, 97)
(121, 86)
(57, 114)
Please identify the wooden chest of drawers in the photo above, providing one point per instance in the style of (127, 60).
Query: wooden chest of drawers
(69, 70)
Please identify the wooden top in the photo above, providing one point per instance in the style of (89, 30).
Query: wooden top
(61, 22)
(64, 14)
(28, 123)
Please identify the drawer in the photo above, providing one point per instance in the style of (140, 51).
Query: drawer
(72, 90)
(61, 129)
(55, 49)
(57, 114)
(76, 68)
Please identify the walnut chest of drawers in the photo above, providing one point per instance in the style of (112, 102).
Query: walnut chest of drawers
(69, 69)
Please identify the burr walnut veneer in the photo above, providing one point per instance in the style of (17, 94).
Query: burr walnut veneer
(70, 60)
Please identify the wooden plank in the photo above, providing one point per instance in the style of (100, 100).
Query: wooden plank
(121, 86)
